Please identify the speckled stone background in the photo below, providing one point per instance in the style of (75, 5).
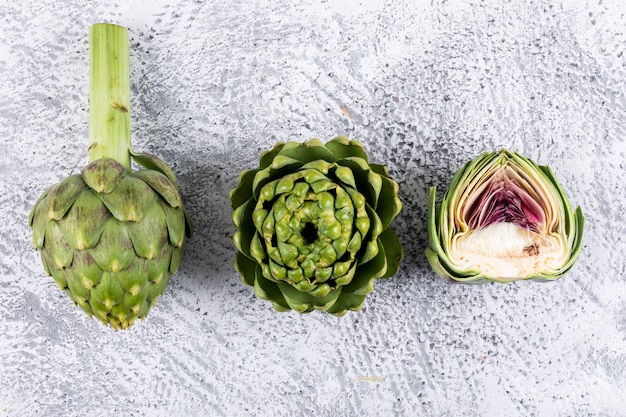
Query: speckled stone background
(425, 86)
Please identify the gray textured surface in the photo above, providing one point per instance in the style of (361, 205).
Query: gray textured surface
(426, 86)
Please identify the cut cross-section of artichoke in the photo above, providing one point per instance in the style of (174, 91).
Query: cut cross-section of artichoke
(504, 218)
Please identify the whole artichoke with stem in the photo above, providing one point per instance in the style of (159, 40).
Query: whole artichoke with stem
(111, 237)
(503, 218)
(313, 226)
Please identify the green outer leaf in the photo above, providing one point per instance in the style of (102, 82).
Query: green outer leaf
(102, 175)
(130, 199)
(307, 151)
(45, 262)
(151, 234)
(59, 253)
(371, 239)
(158, 286)
(368, 182)
(42, 197)
(162, 262)
(76, 286)
(268, 290)
(115, 250)
(267, 157)
(161, 184)
(38, 221)
(394, 252)
(108, 292)
(304, 301)
(152, 162)
(246, 267)
(62, 196)
(176, 221)
(434, 253)
(392, 205)
(363, 281)
(342, 148)
(243, 192)
(346, 301)
(85, 269)
(177, 257)
(84, 222)
(188, 224)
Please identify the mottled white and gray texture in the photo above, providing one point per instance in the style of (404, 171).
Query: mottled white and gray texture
(425, 86)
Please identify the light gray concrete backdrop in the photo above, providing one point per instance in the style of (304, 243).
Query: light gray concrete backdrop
(426, 86)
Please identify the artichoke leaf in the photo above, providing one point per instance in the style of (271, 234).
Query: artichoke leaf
(114, 251)
(39, 221)
(84, 222)
(153, 163)
(368, 183)
(102, 175)
(63, 195)
(267, 290)
(161, 184)
(108, 292)
(130, 199)
(363, 281)
(266, 158)
(247, 268)
(394, 252)
(312, 150)
(342, 147)
(346, 301)
(59, 253)
(305, 301)
(242, 193)
(151, 234)
(36, 207)
(388, 205)
(175, 220)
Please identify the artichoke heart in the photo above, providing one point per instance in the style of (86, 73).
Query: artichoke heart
(313, 226)
(504, 218)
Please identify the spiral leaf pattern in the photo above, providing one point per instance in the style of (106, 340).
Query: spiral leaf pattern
(313, 226)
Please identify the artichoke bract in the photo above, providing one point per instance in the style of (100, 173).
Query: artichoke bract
(313, 226)
(108, 236)
(503, 218)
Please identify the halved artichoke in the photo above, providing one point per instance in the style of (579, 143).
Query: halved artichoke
(504, 218)
(313, 226)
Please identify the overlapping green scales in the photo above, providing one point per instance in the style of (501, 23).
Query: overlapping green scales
(111, 239)
(309, 225)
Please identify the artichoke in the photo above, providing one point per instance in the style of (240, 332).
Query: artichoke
(108, 236)
(313, 226)
(504, 218)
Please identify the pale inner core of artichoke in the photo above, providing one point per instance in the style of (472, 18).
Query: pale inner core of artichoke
(509, 251)
(508, 226)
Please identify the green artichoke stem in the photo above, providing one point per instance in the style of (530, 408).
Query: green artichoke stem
(109, 95)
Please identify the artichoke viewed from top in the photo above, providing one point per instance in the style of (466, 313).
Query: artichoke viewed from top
(503, 218)
(111, 237)
(313, 226)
